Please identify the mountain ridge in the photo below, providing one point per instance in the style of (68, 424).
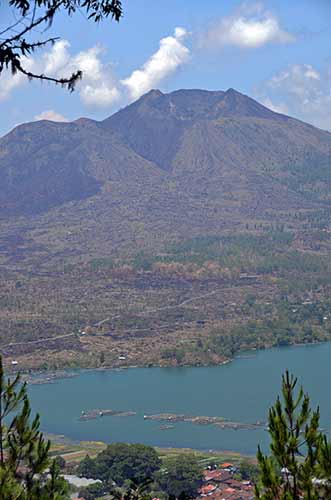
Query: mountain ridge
(225, 137)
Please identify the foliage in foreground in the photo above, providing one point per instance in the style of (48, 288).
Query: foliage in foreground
(26, 472)
(299, 465)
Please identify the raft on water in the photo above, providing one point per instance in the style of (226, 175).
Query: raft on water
(93, 414)
(203, 420)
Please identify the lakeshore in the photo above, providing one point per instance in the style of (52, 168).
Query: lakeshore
(74, 451)
(239, 392)
(40, 377)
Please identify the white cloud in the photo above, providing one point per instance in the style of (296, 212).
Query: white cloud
(51, 115)
(301, 80)
(102, 95)
(8, 83)
(99, 85)
(97, 88)
(277, 108)
(303, 90)
(250, 27)
(171, 54)
(56, 59)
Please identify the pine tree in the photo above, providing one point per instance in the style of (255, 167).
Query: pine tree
(26, 472)
(322, 481)
(289, 472)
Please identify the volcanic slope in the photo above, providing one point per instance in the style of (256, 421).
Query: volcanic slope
(165, 167)
(144, 224)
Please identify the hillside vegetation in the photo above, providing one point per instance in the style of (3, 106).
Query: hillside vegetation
(182, 229)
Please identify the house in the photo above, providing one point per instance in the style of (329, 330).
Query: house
(234, 484)
(228, 467)
(219, 484)
(217, 476)
(207, 489)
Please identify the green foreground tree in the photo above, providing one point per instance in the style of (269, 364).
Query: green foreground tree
(26, 471)
(299, 465)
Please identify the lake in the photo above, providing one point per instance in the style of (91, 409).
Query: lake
(241, 391)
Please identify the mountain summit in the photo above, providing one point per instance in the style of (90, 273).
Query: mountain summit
(156, 125)
(196, 154)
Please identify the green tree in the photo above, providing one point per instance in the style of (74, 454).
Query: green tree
(120, 462)
(24, 457)
(133, 490)
(182, 477)
(87, 467)
(93, 491)
(60, 461)
(248, 471)
(32, 18)
(289, 472)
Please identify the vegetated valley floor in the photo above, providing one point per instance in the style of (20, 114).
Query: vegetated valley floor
(200, 300)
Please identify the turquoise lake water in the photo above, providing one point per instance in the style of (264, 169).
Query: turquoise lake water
(241, 391)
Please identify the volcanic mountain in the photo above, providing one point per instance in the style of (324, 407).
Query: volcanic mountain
(167, 166)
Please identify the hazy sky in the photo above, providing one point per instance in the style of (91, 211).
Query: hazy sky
(277, 51)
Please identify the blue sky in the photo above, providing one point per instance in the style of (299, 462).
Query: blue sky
(276, 51)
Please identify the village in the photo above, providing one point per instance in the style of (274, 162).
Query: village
(221, 484)
(225, 475)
